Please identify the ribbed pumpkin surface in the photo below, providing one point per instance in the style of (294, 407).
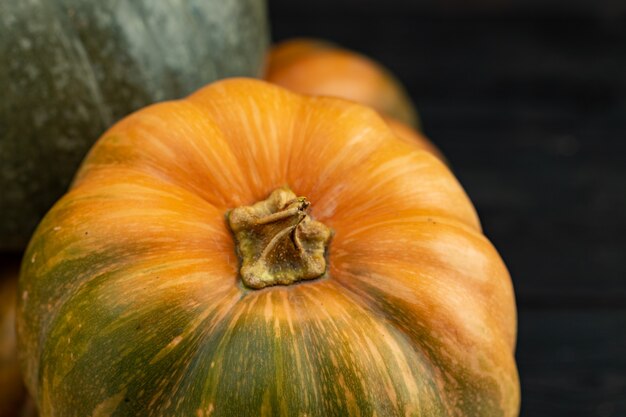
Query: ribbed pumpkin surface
(131, 303)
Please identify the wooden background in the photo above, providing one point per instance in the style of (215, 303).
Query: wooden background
(527, 98)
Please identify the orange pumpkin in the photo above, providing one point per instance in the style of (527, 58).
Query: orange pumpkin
(319, 68)
(251, 251)
(12, 391)
(407, 133)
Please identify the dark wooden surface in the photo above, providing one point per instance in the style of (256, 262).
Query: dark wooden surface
(527, 98)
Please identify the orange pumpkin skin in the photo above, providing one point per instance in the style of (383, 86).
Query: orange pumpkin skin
(411, 135)
(131, 303)
(319, 68)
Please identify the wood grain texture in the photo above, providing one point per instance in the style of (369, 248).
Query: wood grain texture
(572, 363)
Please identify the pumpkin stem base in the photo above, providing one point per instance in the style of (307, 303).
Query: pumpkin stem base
(277, 241)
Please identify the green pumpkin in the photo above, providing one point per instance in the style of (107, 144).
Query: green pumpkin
(71, 68)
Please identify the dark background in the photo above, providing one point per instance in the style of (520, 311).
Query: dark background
(527, 99)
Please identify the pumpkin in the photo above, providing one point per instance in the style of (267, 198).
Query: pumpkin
(407, 133)
(12, 392)
(315, 67)
(248, 251)
(319, 68)
(70, 68)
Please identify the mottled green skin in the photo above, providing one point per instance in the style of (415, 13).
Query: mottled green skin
(99, 324)
(71, 68)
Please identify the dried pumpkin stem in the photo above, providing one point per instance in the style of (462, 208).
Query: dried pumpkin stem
(277, 241)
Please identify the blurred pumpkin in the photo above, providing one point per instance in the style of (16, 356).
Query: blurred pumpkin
(12, 391)
(70, 68)
(320, 68)
(250, 251)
